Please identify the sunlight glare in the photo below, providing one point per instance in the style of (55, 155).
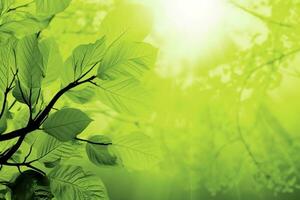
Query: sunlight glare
(185, 30)
(193, 17)
(191, 26)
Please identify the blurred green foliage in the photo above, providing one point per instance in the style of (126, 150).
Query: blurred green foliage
(227, 127)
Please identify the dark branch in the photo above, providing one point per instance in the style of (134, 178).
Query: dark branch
(91, 142)
(13, 150)
(36, 123)
(24, 165)
(48, 108)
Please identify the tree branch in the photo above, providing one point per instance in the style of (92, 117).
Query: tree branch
(91, 142)
(36, 123)
(24, 165)
(48, 108)
(13, 150)
(260, 16)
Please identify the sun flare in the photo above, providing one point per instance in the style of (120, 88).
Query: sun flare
(193, 17)
(190, 26)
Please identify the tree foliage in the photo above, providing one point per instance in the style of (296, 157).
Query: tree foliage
(33, 119)
(71, 77)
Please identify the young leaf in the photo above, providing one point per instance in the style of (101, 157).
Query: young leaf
(25, 26)
(22, 93)
(127, 22)
(123, 94)
(52, 60)
(71, 182)
(3, 120)
(100, 154)
(136, 150)
(51, 7)
(66, 124)
(127, 59)
(3, 124)
(30, 62)
(83, 95)
(30, 66)
(83, 58)
(7, 63)
(50, 149)
(5, 4)
(52, 164)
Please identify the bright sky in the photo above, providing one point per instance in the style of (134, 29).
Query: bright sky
(193, 24)
(193, 29)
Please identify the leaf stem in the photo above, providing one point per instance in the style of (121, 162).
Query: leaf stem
(91, 142)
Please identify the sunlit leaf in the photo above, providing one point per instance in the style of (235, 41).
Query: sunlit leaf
(51, 7)
(66, 124)
(7, 63)
(124, 94)
(30, 62)
(22, 93)
(83, 95)
(23, 27)
(52, 60)
(50, 150)
(127, 59)
(3, 119)
(71, 182)
(127, 22)
(136, 150)
(83, 58)
(100, 154)
(5, 4)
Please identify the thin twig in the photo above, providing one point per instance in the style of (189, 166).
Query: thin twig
(239, 105)
(262, 17)
(91, 142)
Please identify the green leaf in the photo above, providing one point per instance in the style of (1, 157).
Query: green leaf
(3, 124)
(3, 119)
(71, 182)
(83, 58)
(21, 118)
(100, 154)
(22, 93)
(30, 66)
(127, 59)
(124, 95)
(66, 124)
(52, 60)
(51, 7)
(7, 63)
(5, 115)
(127, 22)
(24, 26)
(52, 164)
(136, 150)
(49, 149)
(5, 4)
(82, 95)
(30, 62)
(3, 193)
